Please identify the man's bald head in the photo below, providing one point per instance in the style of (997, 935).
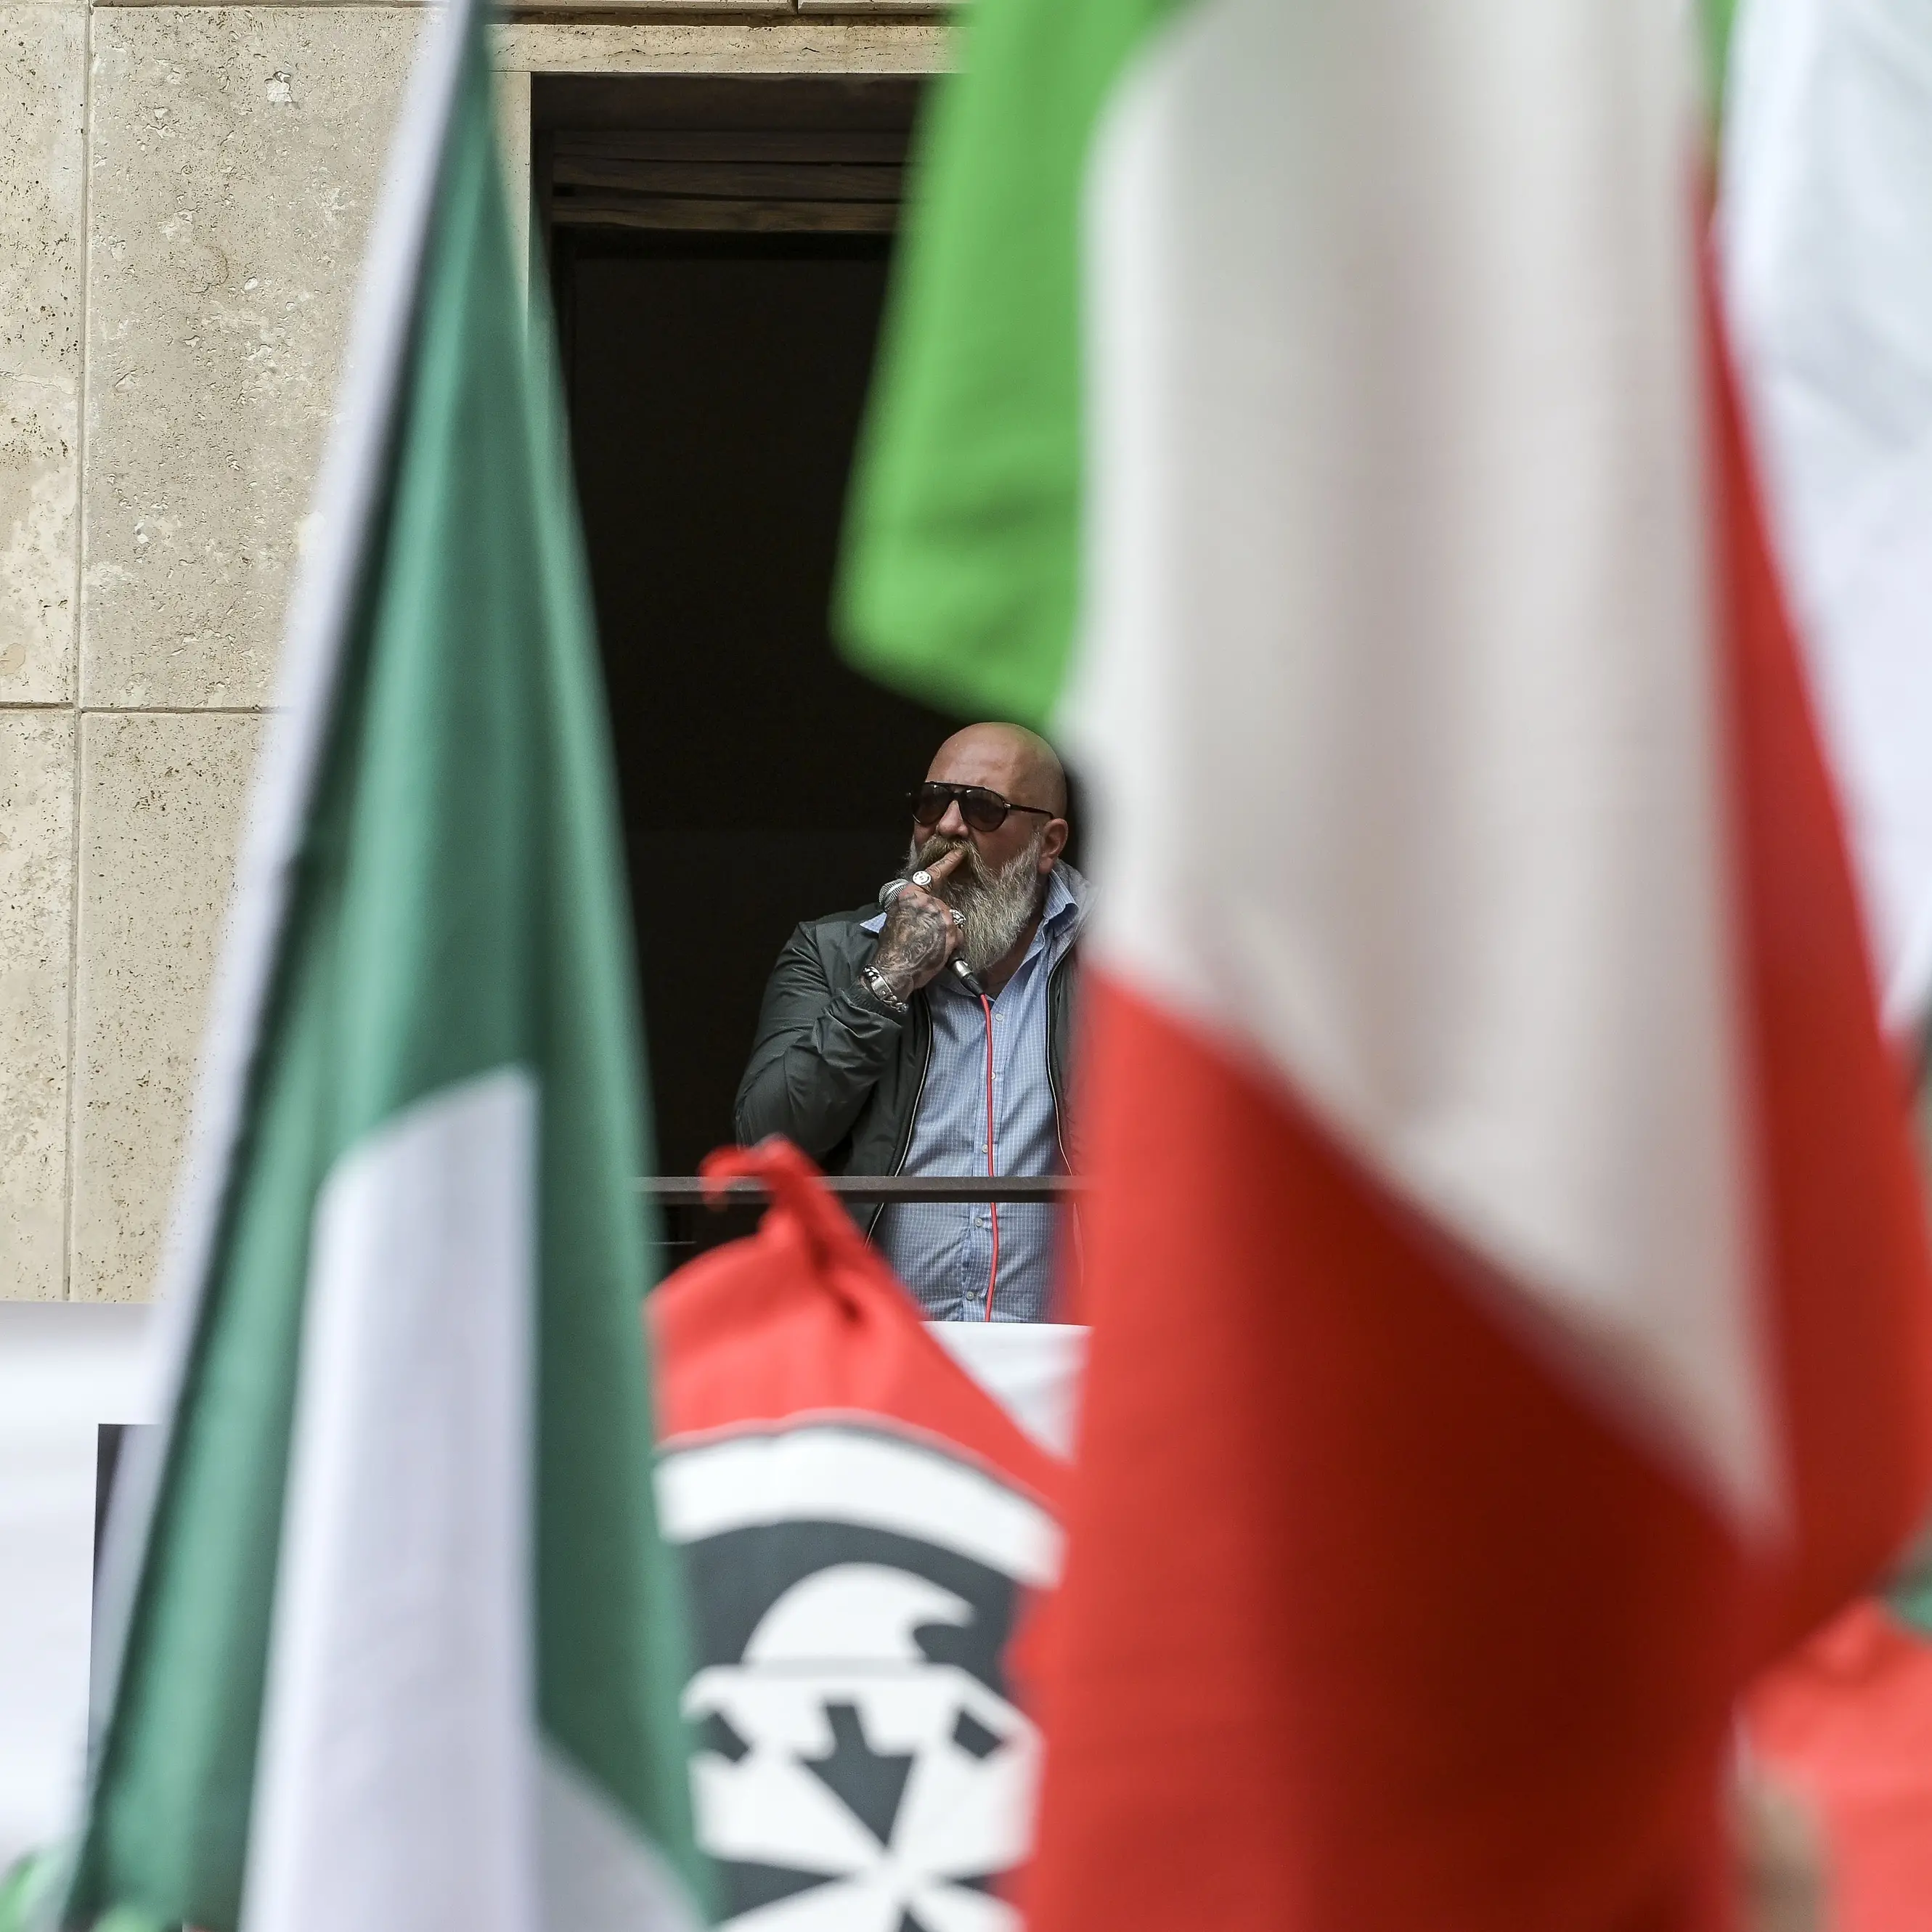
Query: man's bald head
(1019, 764)
(998, 882)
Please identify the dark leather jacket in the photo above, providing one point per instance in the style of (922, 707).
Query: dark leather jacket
(839, 1072)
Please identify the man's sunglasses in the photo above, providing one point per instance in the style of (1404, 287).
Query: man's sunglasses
(984, 811)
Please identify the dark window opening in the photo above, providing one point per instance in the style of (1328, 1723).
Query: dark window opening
(719, 251)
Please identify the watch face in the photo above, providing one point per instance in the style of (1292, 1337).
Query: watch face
(859, 1763)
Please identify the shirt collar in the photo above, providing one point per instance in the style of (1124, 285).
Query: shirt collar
(1068, 893)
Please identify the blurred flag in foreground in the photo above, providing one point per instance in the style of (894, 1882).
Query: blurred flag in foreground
(1825, 215)
(1510, 1292)
(396, 1644)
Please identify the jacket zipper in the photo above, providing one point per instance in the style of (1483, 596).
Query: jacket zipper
(1052, 1079)
(1059, 1133)
(1052, 1087)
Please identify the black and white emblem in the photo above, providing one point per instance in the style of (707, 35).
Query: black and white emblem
(860, 1767)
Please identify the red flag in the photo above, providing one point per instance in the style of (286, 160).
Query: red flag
(1845, 1725)
(863, 1527)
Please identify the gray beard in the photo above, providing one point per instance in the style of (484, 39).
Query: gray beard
(997, 906)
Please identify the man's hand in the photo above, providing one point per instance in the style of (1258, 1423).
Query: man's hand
(921, 932)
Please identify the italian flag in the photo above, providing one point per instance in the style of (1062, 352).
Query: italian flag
(391, 1640)
(1510, 1284)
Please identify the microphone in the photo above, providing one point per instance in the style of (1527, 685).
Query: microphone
(956, 966)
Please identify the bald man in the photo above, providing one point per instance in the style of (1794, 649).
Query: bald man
(872, 1050)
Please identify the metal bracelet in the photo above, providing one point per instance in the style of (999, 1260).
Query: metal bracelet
(881, 989)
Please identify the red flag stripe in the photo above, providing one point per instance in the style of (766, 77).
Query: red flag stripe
(1841, 1209)
(1368, 1623)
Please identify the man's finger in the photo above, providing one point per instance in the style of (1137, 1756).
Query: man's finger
(944, 867)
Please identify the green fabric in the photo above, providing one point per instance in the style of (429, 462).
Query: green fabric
(29, 1890)
(1908, 1592)
(459, 907)
(960, 580)
(1718, 17)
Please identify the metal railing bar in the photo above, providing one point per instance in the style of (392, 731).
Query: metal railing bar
(691, 1190)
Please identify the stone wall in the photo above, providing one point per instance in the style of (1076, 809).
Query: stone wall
(183, 192)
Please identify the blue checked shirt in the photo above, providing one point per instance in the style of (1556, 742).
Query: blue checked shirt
(944, 1253)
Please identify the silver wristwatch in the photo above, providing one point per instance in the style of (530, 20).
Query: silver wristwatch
(881, 989)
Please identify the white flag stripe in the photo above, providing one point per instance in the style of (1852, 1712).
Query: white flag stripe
(1030, 1369)
(851, 1474)
(1826, 218)
(1397, 678)
(397, 1785)
(599, 1875)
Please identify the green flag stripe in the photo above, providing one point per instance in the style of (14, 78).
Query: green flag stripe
(1716, 17)
(353, 471)
(960, 581)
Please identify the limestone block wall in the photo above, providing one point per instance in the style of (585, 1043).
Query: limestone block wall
(183, 194)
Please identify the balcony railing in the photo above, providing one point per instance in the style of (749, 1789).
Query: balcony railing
(691, 1190)
(695, 1219)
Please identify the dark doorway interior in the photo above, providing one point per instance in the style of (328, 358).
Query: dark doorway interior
(717, 369)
